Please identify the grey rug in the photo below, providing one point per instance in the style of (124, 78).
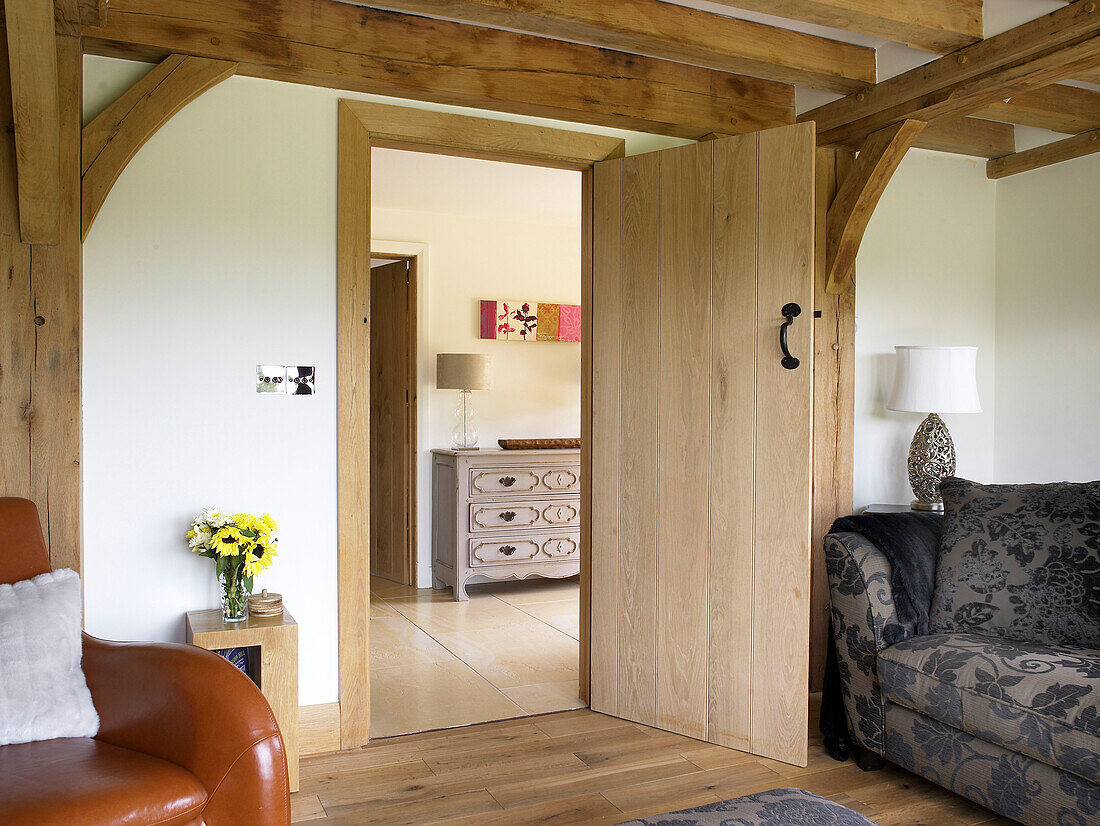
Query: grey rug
(777, 807)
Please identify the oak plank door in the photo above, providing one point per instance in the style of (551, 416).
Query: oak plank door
(701, 440)
(391, 431)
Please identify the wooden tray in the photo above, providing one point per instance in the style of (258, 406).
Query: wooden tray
(539, 444)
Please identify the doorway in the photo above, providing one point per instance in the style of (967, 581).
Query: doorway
(503, 640)
(393, 417)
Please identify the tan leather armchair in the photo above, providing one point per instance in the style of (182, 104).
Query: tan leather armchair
(185, 738)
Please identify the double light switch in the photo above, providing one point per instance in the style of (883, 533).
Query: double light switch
(291, 380)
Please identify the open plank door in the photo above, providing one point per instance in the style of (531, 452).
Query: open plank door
(701, 440)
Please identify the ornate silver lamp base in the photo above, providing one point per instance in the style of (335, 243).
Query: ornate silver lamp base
(931, 459)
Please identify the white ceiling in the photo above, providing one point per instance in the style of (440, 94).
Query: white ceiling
(416, 181)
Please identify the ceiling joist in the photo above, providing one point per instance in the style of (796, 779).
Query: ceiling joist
(939, 26)
(1058, 108)
(669, 32)
(1030, 56)
(1078, 146)
(325, 43)
(968, 136)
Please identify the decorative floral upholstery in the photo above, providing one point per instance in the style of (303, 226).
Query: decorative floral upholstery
(1040, 701)
(1020, 562)
(862, 605)
(1010, 784)
(1020, 733)
(777, 807)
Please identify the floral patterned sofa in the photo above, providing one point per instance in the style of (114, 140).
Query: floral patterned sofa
(1010, 724)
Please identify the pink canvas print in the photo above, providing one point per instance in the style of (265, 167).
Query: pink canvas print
(529, 321)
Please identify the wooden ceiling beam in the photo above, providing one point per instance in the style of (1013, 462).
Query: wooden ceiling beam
(110, 141)
(32, 53)
(1058, 108)
(343, 46)
(968, 136)
(858, 196)
(1033, 55)
(1078, 146)
(669, 32)
(939, 26)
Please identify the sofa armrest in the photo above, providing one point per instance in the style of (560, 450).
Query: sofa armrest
(861, 605)
(192, 708)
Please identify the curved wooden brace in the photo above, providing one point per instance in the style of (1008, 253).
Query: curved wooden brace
(854, 204)
(110, 141)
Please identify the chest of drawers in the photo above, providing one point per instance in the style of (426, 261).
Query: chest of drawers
(504, 514)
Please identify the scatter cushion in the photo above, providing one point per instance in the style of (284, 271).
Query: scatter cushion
(1021, 562)
(43, 693)
(1029, 698)
(776, 807)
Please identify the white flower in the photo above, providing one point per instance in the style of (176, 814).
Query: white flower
(214, 517)
(200, 538)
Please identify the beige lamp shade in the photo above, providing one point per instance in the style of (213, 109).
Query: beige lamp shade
(463, 371)
(934, 379)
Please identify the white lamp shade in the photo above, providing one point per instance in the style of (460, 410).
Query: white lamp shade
(936, 380)
(463, 371)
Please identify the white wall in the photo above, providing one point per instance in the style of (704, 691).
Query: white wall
(1048, 323)
(214, 252)
(925, 275)
(487, 255)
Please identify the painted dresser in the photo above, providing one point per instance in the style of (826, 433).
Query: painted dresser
(504, 514)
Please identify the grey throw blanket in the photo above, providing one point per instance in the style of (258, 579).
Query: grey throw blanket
(911, 541)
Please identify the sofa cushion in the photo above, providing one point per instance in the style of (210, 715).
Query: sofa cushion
(76, 780)
(1036, 700)
(1020, 562)
(43, 693)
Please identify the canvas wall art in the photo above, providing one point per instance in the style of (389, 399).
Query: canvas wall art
(530, 321)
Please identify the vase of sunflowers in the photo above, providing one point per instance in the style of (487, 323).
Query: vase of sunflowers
(242, 546)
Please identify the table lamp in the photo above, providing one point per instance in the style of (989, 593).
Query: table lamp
(464, 372)
(934, 380)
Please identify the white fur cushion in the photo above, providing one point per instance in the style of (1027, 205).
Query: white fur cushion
(43, 693)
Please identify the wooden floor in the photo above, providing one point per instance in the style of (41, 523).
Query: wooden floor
(579, 767)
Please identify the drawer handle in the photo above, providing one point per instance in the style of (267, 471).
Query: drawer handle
(508, 516)
(507, 481)
(507, 550)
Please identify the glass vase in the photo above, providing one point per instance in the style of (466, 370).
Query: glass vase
(234, 593)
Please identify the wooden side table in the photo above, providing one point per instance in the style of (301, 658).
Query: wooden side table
(277, 639)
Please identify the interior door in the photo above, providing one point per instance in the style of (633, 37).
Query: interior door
(701, 440)
(392, 484)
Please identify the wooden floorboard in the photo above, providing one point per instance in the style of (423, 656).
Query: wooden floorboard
(580, 767)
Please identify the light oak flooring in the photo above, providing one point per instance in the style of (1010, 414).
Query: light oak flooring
(510, 651)
(579, 767)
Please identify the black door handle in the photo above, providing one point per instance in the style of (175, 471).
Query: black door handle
(790, 313)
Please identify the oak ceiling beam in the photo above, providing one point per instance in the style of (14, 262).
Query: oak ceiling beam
(1058, 108)
(325, 43)
(669, 32)
(939, 26)
(858, 196)
(32, 53)
(92, 12)
(1078, 146)
(112, 139)
(968, 136)
(1033, 55)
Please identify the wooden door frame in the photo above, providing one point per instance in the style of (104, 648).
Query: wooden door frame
(361, 126)
(417, 256)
